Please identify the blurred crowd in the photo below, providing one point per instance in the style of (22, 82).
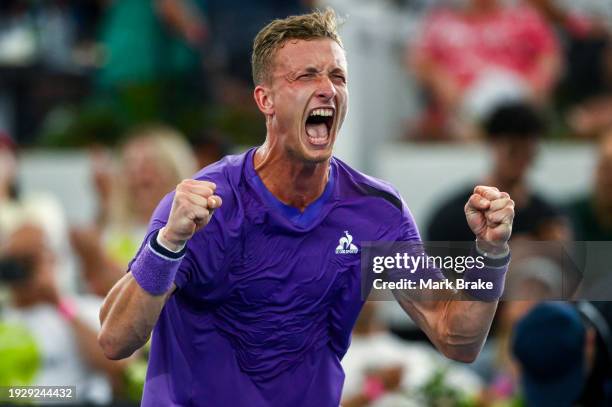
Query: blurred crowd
(77, 72)
(152, 90)
(473, 56)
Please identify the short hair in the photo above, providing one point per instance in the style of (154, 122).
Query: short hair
(316, 25)
(516, 120)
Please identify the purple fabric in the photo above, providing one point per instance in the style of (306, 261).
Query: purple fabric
(266, 302)
(495, 275)
(153, 271)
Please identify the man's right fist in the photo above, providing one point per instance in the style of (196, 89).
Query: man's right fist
(192, 208)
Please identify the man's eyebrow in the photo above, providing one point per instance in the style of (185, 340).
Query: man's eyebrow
(311, 69)
(338, 70)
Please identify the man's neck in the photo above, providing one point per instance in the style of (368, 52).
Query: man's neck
(293, 182)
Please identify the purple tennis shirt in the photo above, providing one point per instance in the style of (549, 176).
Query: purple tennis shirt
(267, 295)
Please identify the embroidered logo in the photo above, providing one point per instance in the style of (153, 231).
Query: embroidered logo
(345, 245)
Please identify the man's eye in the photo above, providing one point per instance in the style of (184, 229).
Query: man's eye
(341, 78)
(306, 76)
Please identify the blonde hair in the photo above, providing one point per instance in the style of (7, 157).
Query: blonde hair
(316, 25)
(172, 152)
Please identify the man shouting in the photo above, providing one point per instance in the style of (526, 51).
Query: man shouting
(249, 277)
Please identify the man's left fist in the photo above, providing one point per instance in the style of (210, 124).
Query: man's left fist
(489, 214)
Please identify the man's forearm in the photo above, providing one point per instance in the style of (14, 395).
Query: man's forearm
(467, 325)
(457, 319)
(456, 325)
(468, 322)
(132, 307)
(128, 316)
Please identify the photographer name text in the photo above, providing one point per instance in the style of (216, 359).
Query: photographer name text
(432, 284)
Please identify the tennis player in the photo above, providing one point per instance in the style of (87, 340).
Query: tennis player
(249, 276)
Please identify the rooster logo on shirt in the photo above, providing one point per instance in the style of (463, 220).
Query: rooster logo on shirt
(345, 245)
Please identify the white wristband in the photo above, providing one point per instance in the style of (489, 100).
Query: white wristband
(161, 243)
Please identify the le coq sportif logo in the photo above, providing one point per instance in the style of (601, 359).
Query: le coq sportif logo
(345, 245)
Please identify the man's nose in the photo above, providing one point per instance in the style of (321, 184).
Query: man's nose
(326, 89)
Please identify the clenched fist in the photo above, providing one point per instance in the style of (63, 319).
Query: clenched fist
(489, 214)
(192, 208)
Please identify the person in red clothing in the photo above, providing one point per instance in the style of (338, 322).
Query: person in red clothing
(468, 53)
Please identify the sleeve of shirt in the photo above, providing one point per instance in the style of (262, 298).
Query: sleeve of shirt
(408, 230)
(204, 257)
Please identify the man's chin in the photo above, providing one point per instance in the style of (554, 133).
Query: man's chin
(317, 156)
(313, 154)
(319, 160)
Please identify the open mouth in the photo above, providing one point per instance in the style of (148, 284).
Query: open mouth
(319, 124)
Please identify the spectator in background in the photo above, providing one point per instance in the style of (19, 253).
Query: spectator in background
(42, 62)
(146, 40)
(152, 57)
(154, 159)
(532, 278)
(63, 329)
(209, 147)
(584, 94)
(565, 354)
(234, 24)
(513, 131)
(383, 370)
(17, 34)
(482, 50)
(8, 169)
(591, 215)
(371, 375)
(17, 206)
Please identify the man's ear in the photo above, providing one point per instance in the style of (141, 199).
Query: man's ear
(262, 95)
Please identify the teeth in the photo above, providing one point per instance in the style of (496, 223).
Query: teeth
(322, 112)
